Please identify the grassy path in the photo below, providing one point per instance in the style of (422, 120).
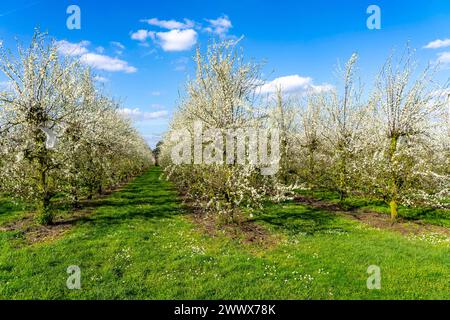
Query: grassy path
(138, 244)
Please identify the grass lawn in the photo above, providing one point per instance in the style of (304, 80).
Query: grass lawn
(139, 243)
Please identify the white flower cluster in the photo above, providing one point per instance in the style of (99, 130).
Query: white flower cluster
(392, 143)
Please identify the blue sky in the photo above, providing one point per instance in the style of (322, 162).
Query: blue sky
(141, 50)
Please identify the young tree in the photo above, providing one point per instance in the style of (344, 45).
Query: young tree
(223, 98)
(408, 111)
(310, 138)
(43, 95)
(282, 116)
(344, 115)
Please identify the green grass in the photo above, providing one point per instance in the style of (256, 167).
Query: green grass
(140, 244)
(10, 210)
(440, 217)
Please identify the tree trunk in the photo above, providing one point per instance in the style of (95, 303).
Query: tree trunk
(312, 170)
(394, 181)
(394, 209)
(342, 182)
(44, 214)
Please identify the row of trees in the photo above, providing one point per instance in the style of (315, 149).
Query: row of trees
(391, 143)
(394, 145)
(59, 136)
(222, 98)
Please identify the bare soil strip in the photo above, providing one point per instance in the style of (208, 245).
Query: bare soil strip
(244, 231)
(36, 233)
(375, 219)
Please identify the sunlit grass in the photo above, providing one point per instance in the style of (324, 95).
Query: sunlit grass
(140, 244)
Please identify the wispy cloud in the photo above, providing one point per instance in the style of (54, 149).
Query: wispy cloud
(219, 26)
(119, 47)
(72, 49)
(170, 24)
(138, 115)
(101, 79)
(11, 11)
(444, 58)
(181, 63)
(153, 139)
(6, 85)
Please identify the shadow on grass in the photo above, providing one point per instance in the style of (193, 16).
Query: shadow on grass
(8, 207)
(144, 197)
(435, 216)
(297, 219)
(10, 210)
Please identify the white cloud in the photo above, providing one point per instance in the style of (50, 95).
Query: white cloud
(293, 84)
(106, 63)
(118, 45)
(152, 139)
(322, 88)
(181, 64)
(287, 84)
(156, 93)
(181, 35)
(94, 60)
(219, 26)
(441, 94)
(72, 49)
(100, 49)
(170, 24)
(6, 85)
(142, 35)
(436, 44)
(177, 40)
(157, 106)
(444, 58)
(139, 115)
(101, 79)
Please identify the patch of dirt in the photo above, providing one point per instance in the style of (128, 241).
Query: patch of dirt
(317, 204)
(405, 227)
(375, 219)
(245, 231)
(36, 233)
